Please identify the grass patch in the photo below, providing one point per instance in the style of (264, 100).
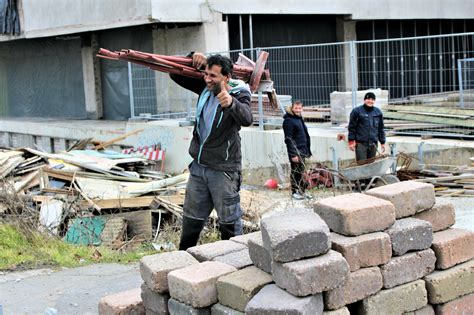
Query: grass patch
(19, 251)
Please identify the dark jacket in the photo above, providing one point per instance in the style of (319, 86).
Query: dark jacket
(221, 150)
(298, 142)
(366, 126)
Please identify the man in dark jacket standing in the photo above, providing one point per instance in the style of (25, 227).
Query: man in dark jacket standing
(215, 173)
(366, 129)
(298, 144)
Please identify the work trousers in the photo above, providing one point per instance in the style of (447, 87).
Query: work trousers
(365, 151)
(209, 189)
(298, 184)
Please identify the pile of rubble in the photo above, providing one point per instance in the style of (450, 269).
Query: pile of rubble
(87, 196)
(389, 251)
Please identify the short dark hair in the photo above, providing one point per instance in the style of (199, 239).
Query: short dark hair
(224, 62)
(297, 102)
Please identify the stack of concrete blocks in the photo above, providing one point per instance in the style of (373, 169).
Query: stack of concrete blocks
(389, 251)
(296, 249)
(393, 238)
(449, 262)
(341, 103)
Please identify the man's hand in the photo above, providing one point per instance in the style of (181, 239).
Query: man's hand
(224, 97)
(295, 159)
(383, 147)
(199, 60)
(352, 146)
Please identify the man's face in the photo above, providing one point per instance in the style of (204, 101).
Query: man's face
(369, 102)
(213, 78)
(297, 109)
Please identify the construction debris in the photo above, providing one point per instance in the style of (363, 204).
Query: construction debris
(91, 196)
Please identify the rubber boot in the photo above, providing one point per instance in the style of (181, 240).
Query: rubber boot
(190, 232)
(229, 230)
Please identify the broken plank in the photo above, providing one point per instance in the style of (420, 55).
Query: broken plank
(445, 121)
(138, 202)
(107, 143)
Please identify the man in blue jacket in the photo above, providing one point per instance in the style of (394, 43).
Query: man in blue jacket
(366, 129)
(298, 144)
(215, 177)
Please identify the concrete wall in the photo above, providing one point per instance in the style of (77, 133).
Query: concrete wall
(52, 18)
(359, 10)
(264, 152)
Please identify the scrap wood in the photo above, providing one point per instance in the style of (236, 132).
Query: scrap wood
(25, 181)
(144, 188)
(115, 140)
(77, 162)
(137, 202)
(96, 207)
(10, 165)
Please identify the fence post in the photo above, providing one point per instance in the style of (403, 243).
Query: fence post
(130, 89)
(353, 73)
(461, 92)
(260, 102)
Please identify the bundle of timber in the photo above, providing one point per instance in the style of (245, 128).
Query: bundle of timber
(317, 113)
(429, 117)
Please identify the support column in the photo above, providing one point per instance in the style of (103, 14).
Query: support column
(346, 32)
(91, 76)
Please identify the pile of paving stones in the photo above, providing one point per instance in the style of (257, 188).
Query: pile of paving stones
(389, 251)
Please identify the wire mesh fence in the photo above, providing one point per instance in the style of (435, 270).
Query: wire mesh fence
(417, 70)
(466, 83)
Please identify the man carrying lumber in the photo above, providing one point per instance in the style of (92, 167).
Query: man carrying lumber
(366, 129)
(298, 144)
(215, 177)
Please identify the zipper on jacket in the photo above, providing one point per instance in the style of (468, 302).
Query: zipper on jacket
(227, 151)
(202, 145)
(220, 119)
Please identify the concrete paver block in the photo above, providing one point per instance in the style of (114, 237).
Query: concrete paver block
(236, 289)
(259, 255)
(294, 234)
(209, 251)
(427, 310)
(311, 275)
(196, 284)
(441, 216)
(244, 239)
(239, 260)
(452, 247)
(122, 303)
(410, 234)
(153, 301)
(219, 309)
(408, 197)
(408, 268)
(154, 269)
(359, 285)
(342, 311)
(354, 214)
(463, 305)
(403, 298)
(177, 308)
(447, 285)
(363, 251)
(271, 300)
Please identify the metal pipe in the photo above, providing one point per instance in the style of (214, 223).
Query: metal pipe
(251, 35)
(241, 36)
